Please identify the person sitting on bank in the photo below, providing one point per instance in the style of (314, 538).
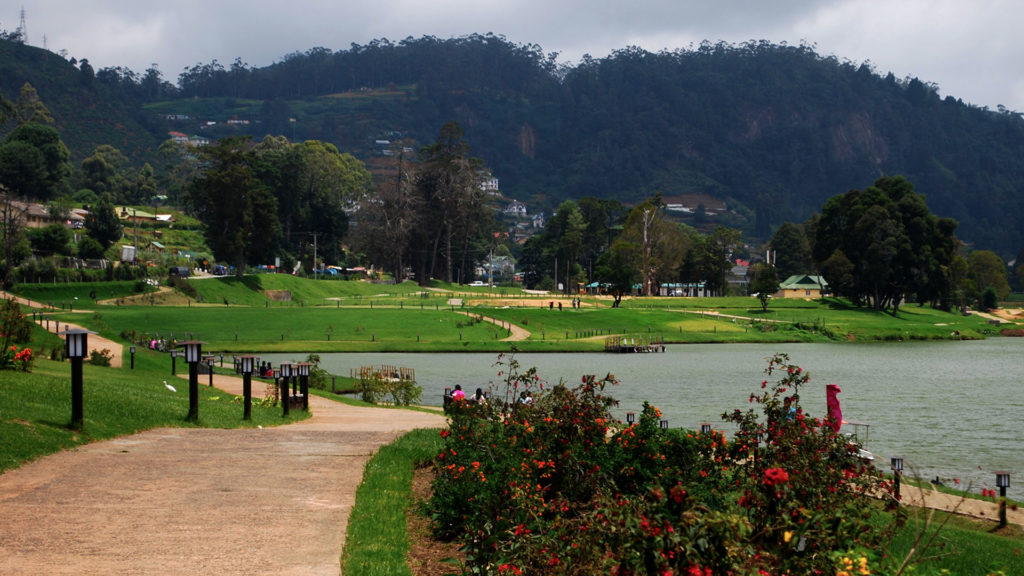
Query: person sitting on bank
(458, 394)
(478, 397)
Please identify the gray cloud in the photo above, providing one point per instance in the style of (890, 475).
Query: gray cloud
(971, 50)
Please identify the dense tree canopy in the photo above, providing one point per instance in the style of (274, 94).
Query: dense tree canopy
(239, 211)
(790, 251)
(102, 223)
(881, 245)
(769, 130)
(34, 162)
(455, 218)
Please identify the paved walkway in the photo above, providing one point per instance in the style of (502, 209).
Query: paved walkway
(196, 501)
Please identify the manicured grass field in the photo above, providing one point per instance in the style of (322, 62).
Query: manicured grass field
(326, 315)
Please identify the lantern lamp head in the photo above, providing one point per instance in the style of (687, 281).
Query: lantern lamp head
(247, 364)
(75, 342)
(1003, 479)
(630, 417)
(897, 463)
(193, 351)
(303, 368)
(286, 369)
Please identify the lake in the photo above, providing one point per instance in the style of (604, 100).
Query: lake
(951, 409)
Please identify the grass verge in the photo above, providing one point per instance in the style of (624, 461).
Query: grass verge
(376, 542)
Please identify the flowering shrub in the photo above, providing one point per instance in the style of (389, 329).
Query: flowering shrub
(561, 487)
(12, 358)
(14, 329)
(803, 486)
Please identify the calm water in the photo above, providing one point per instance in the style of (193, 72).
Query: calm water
(952, 409)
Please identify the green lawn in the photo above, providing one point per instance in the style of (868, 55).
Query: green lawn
(79, 295)
(35, 407)
(280, 312)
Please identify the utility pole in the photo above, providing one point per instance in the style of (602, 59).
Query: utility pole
(314, 253)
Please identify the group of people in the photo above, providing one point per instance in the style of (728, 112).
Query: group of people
(477, 397)
(575, 304)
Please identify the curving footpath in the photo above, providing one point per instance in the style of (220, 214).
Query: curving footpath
(198, 501)
(96, 342)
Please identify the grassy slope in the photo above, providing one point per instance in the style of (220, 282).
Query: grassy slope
(35, 407)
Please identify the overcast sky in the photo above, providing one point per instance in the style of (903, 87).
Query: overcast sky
(971, 49)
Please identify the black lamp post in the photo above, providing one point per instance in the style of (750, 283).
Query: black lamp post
(897, 473)
(286, 374)
(1003, 482)
(630, 417)
(131, 349)
(174, 362)
(705, 428)
(247, 363)
(664, 424)
(193, 355)
(304, 383)
(208, 360)
(76, 346)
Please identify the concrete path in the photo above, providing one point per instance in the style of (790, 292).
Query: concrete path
(196, 501)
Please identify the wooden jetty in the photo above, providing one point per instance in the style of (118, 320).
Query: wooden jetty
(385, 372)
(634, 344)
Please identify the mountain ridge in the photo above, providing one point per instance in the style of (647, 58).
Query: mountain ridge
(771, 130)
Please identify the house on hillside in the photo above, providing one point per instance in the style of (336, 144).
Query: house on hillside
(36, 215)
(802, 286)
(515, 208)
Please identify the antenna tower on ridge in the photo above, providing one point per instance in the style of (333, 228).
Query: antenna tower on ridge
(23, 28)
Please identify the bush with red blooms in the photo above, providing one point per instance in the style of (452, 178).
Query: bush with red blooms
(804, 488)
(559, 486)
(14, 329)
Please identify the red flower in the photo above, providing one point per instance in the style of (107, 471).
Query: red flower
(775, 476)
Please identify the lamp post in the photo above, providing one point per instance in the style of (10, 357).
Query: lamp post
(193, 355)
(304, 383)
(1003, 482)
(131, 349)
(247, 363)
(208, 360)
(630, 417)
(76, 346)
(286, 374)
(897, 473)
(664, 424)
(174, 360)
(705, 428)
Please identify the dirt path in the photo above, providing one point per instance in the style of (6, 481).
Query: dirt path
(196, 501)
(516, 333)
(982, 509)
(96, 342)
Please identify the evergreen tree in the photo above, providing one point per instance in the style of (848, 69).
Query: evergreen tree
(102, 223)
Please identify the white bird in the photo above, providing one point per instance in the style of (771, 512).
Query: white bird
(169, 387)
(260, 427)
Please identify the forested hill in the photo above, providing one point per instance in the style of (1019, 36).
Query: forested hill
(772, 130)
(87, 111)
